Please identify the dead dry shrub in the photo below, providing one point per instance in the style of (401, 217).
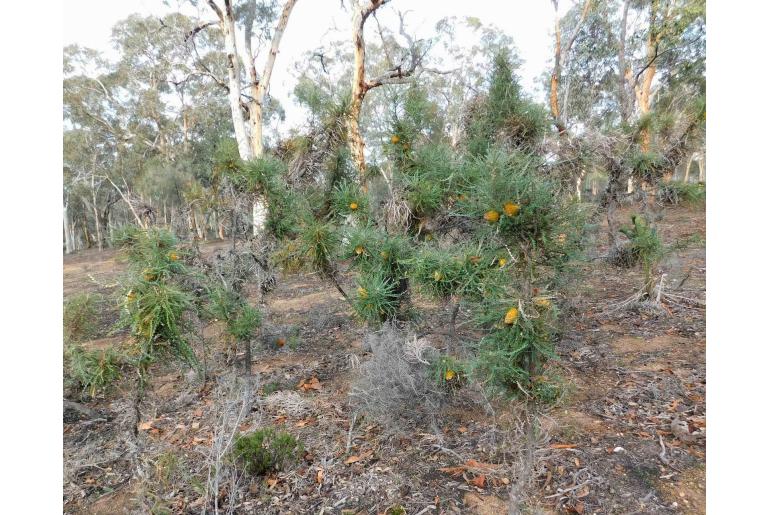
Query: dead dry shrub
(396, 383)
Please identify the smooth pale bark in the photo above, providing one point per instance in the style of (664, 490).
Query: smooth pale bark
(69, 244)
(358, 88)
(259, 86)
(250, 142)
(559, 60)
(702, 168)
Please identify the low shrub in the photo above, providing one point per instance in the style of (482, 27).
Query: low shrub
(80, 312)
(93, 371)
(398, 381)
(676, 193)
(266, 450)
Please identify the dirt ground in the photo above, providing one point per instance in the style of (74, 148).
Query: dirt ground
(628, 436)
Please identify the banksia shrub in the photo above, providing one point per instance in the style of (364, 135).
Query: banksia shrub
(348, 199)
(92, 371)
(154, 302)
(80, 313)
(377, 298)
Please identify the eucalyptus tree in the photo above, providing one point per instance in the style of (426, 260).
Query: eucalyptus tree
(246, 29)
(402, 61)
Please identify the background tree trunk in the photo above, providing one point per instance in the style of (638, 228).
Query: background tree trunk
(69, 244)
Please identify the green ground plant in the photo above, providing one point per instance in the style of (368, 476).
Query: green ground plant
(92, 371)
(80, 316)
(266, 450)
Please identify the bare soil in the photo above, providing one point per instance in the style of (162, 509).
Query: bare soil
(628, 436)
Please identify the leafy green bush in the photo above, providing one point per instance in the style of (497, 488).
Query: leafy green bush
(80, 312)
(265, 450)
(93, 370)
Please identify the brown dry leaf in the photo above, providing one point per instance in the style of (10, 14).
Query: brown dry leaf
(563, 446)
(583, 492)
(272, 482)
(319, 477)
(462, 429)
(580, 508)
(352, 459)
(455, 471)
(310, 384)
(144, 426)
(303, 423)
(198, 413)
(478, 481)
(479, 465)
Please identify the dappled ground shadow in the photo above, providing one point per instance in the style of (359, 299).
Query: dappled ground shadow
(628, 436)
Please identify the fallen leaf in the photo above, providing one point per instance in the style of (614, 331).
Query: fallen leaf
(455, 471)
(144, 426)
(479, 465)
(303, 423)
(563, 446)
(272, 482)
(198, 413)
(319, 477)
(478, 481)
(462, 429)
(352, 459)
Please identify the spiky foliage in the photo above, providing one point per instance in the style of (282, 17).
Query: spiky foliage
(244, 323)
(511, 355)
(504, 115)
(92, 370)
(377, 298)
(80, 312)
(676, 192)
(348, 199)
(266, 450)
(645, 246)
(265, 176)
(154, 302)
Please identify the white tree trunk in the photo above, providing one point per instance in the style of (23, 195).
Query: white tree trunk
(234, 85)
(259, 217)
(630, 187)
(702, 169)
(69, 246)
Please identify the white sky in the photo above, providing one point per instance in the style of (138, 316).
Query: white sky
(529, 22)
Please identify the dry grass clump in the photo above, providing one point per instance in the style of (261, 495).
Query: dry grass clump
(397, 383)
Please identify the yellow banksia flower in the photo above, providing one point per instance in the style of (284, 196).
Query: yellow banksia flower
(501, 262)
(359, 250)
(511, 316)
(173, 256)
(437, 276)
(353, 206)
(384, 255)
(542, 302)
(363, 293)
(492, 216)
(449, 375)
(395, 139)
(511, 209)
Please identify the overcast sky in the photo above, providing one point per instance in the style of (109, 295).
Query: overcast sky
(529, 22)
